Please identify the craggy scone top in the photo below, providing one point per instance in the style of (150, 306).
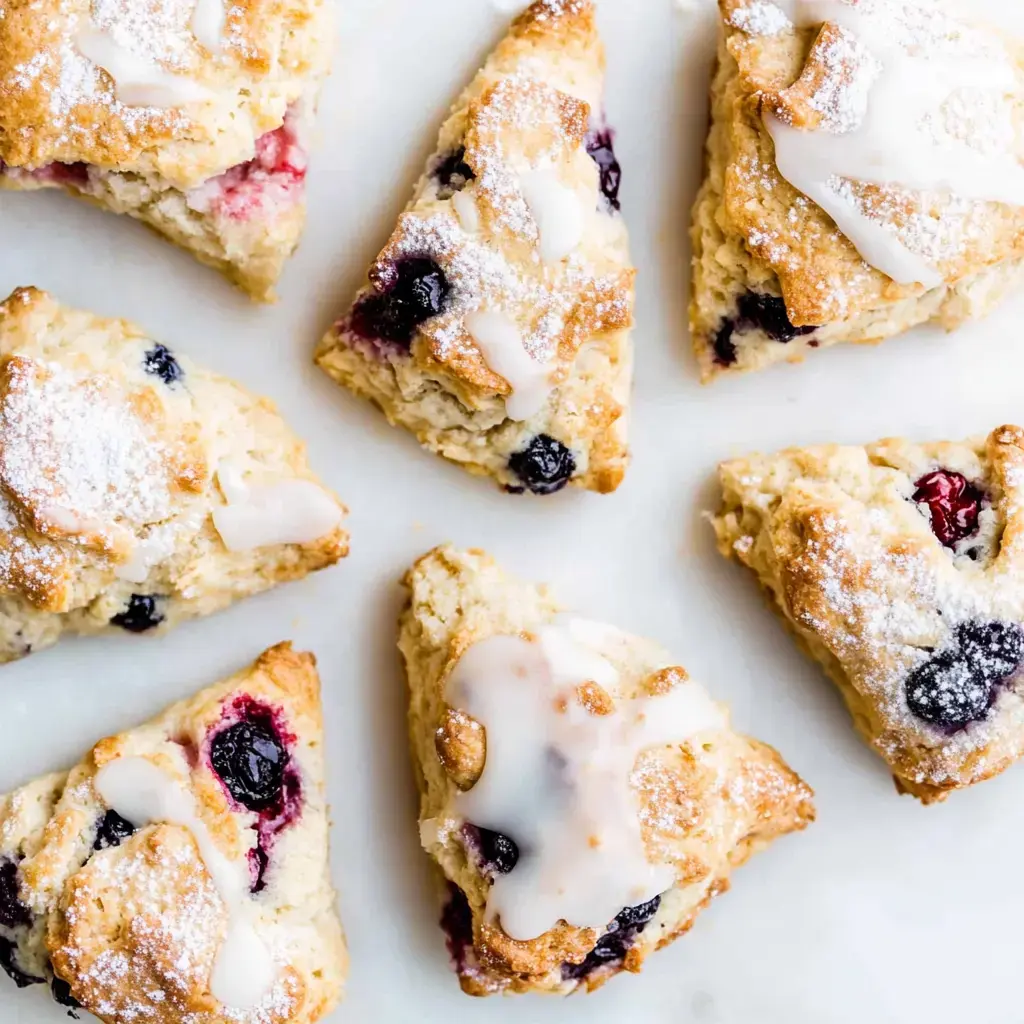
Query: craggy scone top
(940, 100)
(898, 567)
(592, 829)
(179, 89)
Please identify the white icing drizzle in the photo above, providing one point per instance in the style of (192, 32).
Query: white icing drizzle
(207, 23)
(467, 211)
(288, 511)
(557, 212)
(142, 793)
(894, 130)
(557, 776)
(138, 82)
(502, 347)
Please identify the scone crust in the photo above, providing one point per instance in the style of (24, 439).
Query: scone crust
(850, 562)
(58, 575)
(48, 827)
(537, 94)
(706, 827)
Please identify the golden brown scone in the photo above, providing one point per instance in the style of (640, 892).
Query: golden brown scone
(773, 273)
(496, 322)
(127, 920)
(189, 115)
(703, 801)
(137, 489)
(895, 565)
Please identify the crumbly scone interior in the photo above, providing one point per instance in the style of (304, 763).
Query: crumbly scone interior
(523, 348)
(704, 806)
(127, 921)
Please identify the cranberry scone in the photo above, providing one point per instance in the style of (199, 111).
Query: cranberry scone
(896, 565)
(584, 799)
(189, 115)
(863, 176)
(180, 871)
(137, 489)
(496, 322)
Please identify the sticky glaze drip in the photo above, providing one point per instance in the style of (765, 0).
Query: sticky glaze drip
(502, 347)
(207, 23)
(894, 130)
(557, 213)
(557, 775)
(284, 512)
(143, 794)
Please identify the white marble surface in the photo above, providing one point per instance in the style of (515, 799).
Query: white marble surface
(884, 911)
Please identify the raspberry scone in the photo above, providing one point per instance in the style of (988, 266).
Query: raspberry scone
(496, 322)
(180, 871)
(584, 799)
(896, 566)
(189, 115)
(137, 489)
(863, 176)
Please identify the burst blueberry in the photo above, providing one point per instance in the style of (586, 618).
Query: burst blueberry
(13, 913)
(954, 505)
(251, 761)
(545, 465)
(723, 346)
(142, 614)
(600, 146)
(161, 363)
(416, 292)
(61, 992)
(9, 962)
(112, 831)
(768, 313)
(498, 853)
(452, 173)
(616, 941)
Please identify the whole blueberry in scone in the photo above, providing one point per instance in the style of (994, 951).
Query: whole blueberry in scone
(898, 566)
(127, 884)
(583, 798)
(190, 117)
(497, 318)
(137, 489)
(839, 205)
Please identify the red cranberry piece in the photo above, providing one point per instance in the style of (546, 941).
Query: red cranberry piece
(545, 465)
(416, 293)
(143, 613)
(250, 761)
(959, 685)
(600, 146)
(953, 503)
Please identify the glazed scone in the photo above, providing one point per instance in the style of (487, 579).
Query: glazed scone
(896, 566)
(584, 799)
(863, 176)
(137, 489)
(189, 115)
(496, 322)
(180, 871)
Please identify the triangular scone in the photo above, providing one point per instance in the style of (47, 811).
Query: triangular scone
(137, 489)
(897, 566)
(190, 116)
(851, 122)
(565, 764)
(227, 856)
(496, 324)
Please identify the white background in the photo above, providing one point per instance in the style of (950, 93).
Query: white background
(883, 911)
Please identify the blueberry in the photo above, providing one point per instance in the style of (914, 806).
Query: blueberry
(416, 293)
(498, 853)
(723, 346)
(958, 685)
(953, 504)
(9, 962)
(453, 173)
(251, 761)
(600, 146)
(112, 831)
(614, 944)
(162, 364)
(457, 924)
(61, 992)
(544, 465)
(259, 861)
(141, 614)
(768, 313)
(13, 913)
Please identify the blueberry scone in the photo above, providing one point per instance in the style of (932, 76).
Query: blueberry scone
(189, 115)
(863, 175)
(896, 565)
(180, 871)
(584, 799)
(496, 322)
(137, 489)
